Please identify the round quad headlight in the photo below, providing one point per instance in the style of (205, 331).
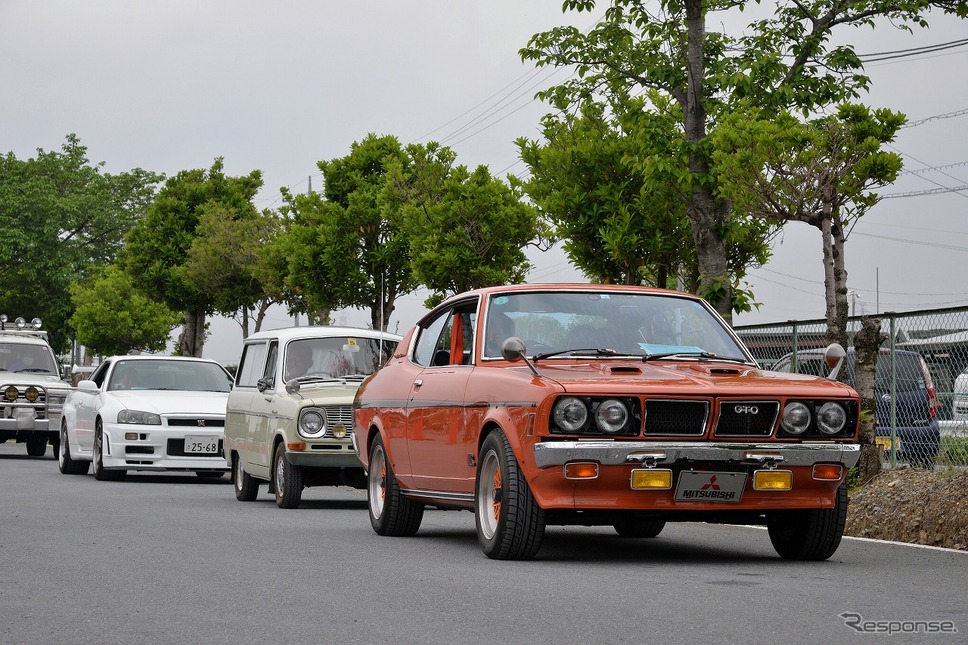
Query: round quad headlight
(611, 416)
(312, 423)
(796, 418)
(570, 414)
(831, 418)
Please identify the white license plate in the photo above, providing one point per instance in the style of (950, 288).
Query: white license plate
(195, 445)
(702, 486)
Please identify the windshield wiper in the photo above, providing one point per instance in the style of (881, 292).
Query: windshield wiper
(688, 354)
(585, 351)
(33, 370)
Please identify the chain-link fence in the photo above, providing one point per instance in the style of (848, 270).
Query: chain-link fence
(921, 380)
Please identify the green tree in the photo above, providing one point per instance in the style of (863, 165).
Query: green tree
(113, 317)
(158, 246)
(348, 247)
(784, 61)
(60, 218)
(226, 259)
(820, 173)
(617, 226)
(469, 234)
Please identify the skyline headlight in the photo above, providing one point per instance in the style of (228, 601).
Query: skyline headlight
(611, 416)
(796, 418)
(831, 418)
(312, 423)
(570, 414)
(139, 417)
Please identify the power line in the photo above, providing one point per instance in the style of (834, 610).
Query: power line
(936, 117)
(915, 51)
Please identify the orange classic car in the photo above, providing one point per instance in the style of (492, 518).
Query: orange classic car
(630, 407)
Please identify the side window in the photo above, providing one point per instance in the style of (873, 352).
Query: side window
(100, 373)
(431, 338)
(251, 367)
(272, 359)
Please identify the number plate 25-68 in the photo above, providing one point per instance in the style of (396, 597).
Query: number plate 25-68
(699, 486)
(195, 445)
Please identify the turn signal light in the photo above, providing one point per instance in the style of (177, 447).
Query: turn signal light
(828, 472)
(297, 446)
(773, 480)
(581, 470)
(651, 479)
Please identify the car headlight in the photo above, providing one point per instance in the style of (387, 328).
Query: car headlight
(570, 414)
(11, 393)
(611, 416)
(831, 418)
(796, 418)
(139, 417)
(312, 423)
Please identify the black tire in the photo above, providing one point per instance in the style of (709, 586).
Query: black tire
(390, 512)
(65, 463)
(637, 527)
(54, 445)
(510, 524)
(209, 474)
(37, 446)
(286, 479)
(246, 488)
(100, 473)
(809, 534)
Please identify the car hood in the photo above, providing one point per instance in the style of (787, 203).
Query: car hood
(47, 381)
(686, 378)
(172, 401)
(323, 393)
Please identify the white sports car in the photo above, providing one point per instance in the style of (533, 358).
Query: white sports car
(146, 413)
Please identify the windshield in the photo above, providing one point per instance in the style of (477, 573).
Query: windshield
(336, 357)
(637, 324)
(23, 358)
(190, 376)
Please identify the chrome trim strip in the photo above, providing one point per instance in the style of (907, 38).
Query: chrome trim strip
(612, 453)
(439, 495)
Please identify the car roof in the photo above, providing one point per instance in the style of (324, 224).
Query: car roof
(292, 333)
(568, 286)
(157, 357)
(22, 338)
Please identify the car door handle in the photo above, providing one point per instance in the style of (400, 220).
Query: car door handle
(418, 382)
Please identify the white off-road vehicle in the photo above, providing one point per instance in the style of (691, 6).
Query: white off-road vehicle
(31, 390)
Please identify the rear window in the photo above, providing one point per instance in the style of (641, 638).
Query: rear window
(907, 369)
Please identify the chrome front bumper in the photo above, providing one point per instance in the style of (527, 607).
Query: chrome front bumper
(653, 453)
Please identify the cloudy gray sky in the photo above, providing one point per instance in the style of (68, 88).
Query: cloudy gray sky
(168, 85)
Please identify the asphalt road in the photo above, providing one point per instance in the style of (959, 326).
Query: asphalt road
(176, 559)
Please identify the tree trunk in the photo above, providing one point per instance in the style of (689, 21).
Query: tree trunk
(380, 312)
(705, 211)
(867, 346)
(191, 341)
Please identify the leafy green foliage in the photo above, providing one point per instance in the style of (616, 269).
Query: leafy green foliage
(158, 247)
(113, 317)
(61, 217)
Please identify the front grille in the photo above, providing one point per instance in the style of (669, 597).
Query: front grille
(675, 417)
(176, 448)
(338, 415)
(196, 423)
(746, 418)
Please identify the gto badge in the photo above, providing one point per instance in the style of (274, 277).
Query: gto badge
(746, 409)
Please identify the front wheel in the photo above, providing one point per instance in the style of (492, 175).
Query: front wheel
(510, 524)
(287, 480)
(100, 473)
(37, 446)
(811, 534)
(246, 488)
(65, 463)
(390, 512)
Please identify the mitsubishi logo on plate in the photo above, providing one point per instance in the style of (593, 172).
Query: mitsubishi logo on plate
(746, 409)
(201, 423)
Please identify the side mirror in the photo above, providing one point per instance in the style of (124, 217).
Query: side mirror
(513, 349)
(88, 387)
(833, 357)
